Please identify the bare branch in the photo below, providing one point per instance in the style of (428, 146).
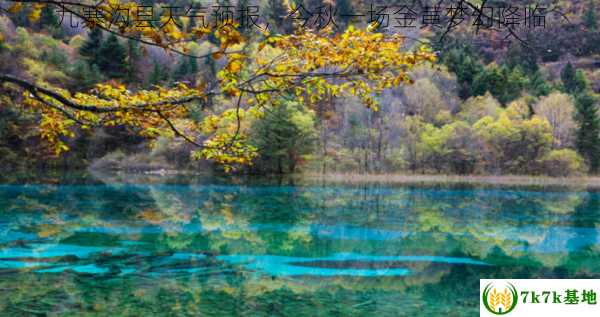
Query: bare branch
(176, 131)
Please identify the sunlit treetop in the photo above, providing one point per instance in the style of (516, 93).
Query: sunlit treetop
(306, 66)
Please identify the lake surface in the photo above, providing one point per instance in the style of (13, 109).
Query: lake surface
(121, 247)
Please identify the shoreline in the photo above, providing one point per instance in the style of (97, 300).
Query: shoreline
(589, 182)
(499, 180)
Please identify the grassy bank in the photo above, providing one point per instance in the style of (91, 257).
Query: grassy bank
(502, 180)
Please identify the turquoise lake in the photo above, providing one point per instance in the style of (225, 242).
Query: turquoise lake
(206, 247)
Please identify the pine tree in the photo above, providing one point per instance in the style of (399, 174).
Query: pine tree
(84, 76)
(574, 81)
(502, 82)
(538, 85)
(523, 56)
(282, 136)
(344, 10)
(567, 76)
(48, 17)
(50, 21)
(465, 64)
(193, 65)
(186, 69)
(590, 19)
(588, 130)
(133, 56)
(277, 16)
(182, 69)
(158, 75)
(112, 58)
(91, 47)
(246, 25)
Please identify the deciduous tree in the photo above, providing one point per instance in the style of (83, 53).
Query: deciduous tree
(559, 110)
(308, 67)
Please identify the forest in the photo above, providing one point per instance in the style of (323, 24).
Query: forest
(352, 97)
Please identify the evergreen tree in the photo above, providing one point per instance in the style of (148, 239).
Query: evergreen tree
(504, 84)
(588, 130)
(48, 17)
(242, 9)
(277, 13)
(182, 70)
(522, 56)
(192, 69)
(112, 58)
(158, 75)
(344, 11)
(133, 56)
(84, 76)
(193, 65)
(282, 136)
(567, 76)
(590, 19)
(187, 69)
(50, 21)
(91, 47)
(538, 86)
(464, 63)
(573, 81)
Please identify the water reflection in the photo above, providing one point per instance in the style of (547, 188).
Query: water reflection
(218, 249)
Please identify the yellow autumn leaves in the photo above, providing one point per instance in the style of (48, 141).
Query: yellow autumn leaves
(33, 15)
(145, 112)
(357, 63)
(308, 66)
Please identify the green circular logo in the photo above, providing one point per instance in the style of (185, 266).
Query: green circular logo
(500, 300)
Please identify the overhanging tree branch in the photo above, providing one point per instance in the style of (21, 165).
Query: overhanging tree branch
(145, 107)
(169, 47)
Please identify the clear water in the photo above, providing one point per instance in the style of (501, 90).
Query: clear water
(215, 248)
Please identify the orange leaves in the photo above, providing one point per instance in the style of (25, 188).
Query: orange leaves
(234, 66)
(229, 75)
(201, 32)
(235, 63)
(154, 36)
(228, 35)
(15, 8)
